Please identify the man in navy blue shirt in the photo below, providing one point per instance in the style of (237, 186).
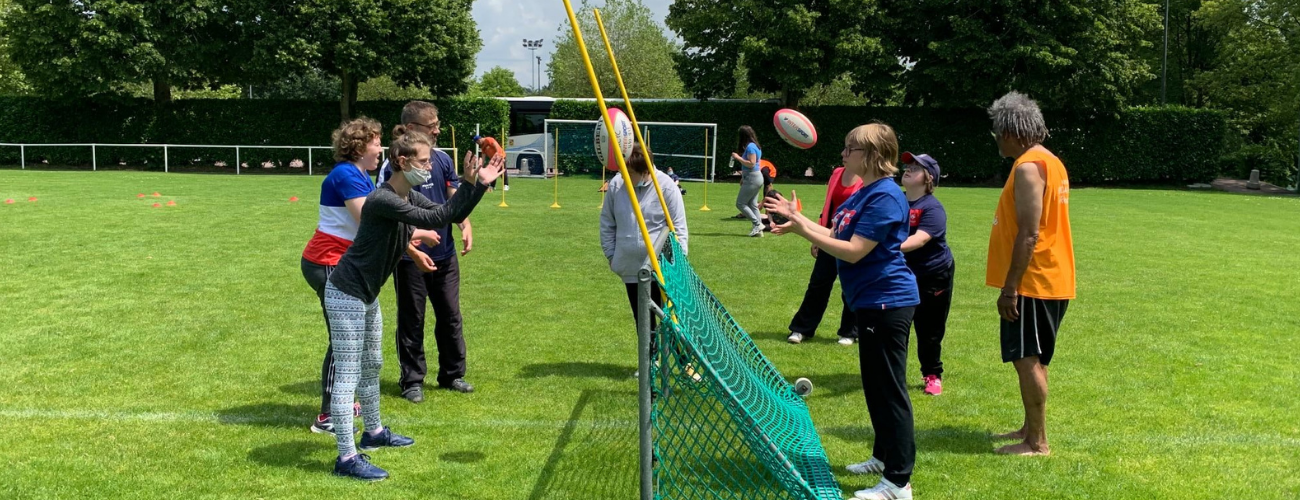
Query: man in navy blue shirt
(931, 261)
(441, 287)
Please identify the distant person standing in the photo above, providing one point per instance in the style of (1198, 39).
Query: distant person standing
(749, 154)
(1031, 258)
(843, 183)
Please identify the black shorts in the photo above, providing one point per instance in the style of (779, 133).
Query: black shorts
(1034, 334)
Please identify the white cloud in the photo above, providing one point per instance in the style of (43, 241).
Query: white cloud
(504, 24)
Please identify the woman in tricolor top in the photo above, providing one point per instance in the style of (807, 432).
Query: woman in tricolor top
(392, 213)
(866, 236)
(342, 194)
(843, 183)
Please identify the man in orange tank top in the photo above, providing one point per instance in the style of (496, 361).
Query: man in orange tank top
(1031, 258)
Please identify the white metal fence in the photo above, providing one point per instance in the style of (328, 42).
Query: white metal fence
(166, 148)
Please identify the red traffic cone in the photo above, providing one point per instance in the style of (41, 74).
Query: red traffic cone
(171, 203)
(293, 198)
(141, 195)
(9, 201)
(156, 195)
(32, 199)
(156, 205)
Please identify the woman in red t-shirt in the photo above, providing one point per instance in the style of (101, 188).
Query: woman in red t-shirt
(841, 186)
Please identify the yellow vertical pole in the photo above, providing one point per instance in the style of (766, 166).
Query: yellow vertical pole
(636, 128)
(618, 150)
(706, 208)
(455, 161)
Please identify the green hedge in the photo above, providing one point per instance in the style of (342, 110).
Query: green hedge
(1141, 145)
(202, 121)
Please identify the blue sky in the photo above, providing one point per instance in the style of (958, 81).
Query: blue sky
(504, 24)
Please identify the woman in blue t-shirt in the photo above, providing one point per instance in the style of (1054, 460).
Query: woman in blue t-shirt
(866, 237)
(749, 153)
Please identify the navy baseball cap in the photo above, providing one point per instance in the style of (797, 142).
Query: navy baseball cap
(925, 161)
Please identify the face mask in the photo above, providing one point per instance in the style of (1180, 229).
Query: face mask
(417, 177)
(643, 184)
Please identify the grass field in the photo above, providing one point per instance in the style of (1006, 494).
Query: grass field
(174, 352)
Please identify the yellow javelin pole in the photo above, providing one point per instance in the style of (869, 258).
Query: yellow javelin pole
(636, 128)
(454, 160)
(618, 150)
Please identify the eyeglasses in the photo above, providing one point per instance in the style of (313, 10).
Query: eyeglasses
(849, 149)
(423, 163)
(433, 125)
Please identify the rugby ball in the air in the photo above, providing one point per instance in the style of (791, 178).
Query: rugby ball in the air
(795, 128)
(622, 132)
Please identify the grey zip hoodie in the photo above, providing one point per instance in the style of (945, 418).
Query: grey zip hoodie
(620, 237)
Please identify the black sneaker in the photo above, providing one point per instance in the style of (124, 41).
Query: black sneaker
(385, 439)
(322, 425)
(414, 394)
(359, 467)
(459, 385)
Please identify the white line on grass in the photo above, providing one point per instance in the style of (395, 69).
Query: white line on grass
(281, 418)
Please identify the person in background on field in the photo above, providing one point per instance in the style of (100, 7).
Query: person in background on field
(342, 194)
(416, 288)
(1031, 259)
(620, 236)
(866, 238)
(843, 183)
(931, 261)
(749, 154)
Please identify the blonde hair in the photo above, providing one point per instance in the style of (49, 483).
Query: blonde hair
(404, 143)
(351, 138)
(879, 148)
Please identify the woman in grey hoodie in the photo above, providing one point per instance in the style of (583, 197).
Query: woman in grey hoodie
(620, 237)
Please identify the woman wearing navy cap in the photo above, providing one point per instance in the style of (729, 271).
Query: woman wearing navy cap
(931, 261)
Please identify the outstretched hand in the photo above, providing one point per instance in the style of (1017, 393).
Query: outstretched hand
(777, 205)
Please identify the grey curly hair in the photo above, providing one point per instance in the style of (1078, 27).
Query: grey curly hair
(1017, 115)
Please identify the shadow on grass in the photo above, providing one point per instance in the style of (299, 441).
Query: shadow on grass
(578, 370)
(279, 415)
(308, 387)
(463, 457)
(947, 439)
(724, 235)
(595, 455)
(294, 455)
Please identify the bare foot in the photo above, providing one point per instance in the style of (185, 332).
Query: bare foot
(1023, 449)
(1016, 435)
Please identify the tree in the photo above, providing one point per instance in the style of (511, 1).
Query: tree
(644, 52)
(1081, 54)
(499, 82)
(1256, 79)
(92, 46)
(429, 44)
(788, 46)
(12, 80)
(312, 84)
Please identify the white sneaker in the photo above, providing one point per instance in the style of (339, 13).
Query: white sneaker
(885, 491)
(795, 338)
(757, 232)
(507, 187)
(873, 466)
(846, 341)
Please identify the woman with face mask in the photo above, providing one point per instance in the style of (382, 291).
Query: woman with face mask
(392, 213)
(620, 237)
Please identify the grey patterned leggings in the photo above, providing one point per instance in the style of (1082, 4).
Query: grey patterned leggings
(356, 332)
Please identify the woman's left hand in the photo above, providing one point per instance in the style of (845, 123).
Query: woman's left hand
(789, 210)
